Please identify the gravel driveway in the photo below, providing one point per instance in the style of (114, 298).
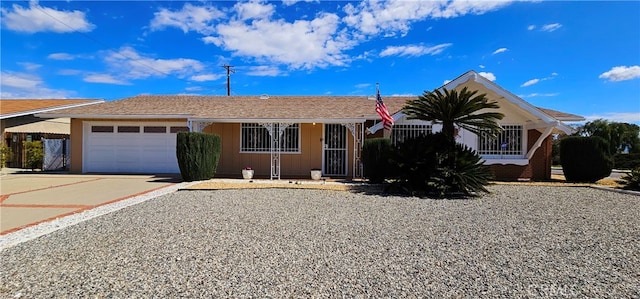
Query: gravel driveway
(519, 241)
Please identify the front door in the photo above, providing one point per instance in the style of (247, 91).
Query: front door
(335, 150)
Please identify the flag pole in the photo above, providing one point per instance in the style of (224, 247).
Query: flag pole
(386, 133)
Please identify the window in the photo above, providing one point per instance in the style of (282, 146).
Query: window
(101, 129)
(128, 129)
(507, 143)
(256, 138)
(402, 132)
(155, 129)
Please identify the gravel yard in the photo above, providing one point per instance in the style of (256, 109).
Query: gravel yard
(519, 241)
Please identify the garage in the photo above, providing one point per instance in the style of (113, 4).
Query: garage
(130, 147)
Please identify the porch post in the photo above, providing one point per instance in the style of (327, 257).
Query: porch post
(274, 148)
(357, 132)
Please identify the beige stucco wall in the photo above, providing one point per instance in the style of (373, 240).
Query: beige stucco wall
(294, 165)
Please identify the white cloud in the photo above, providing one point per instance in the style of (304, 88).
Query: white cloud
(530, 82)
(20, 80)
(551, 27)
(413, 50)
(535, 95)
(206, 77)
(445, 82)
(189, 18)
(37, 18)
(129, 64)
(292, 2)
(14, 85)
(104, 78)
(481, 66)
(61, 56)
(621, 73)
(362, 85)
(457, 8)
(489, 76)
(623, 117)
(253, 29)
(301, 44)
(395, 17)
(501, 50)
(538, 80)
(531, 27)
(29, 66)
(264, 71)
(253, 10)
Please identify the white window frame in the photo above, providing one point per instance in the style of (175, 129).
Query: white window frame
(503, 146)
(406, 130)
(263, 135)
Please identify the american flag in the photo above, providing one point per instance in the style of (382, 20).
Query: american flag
(381, 108)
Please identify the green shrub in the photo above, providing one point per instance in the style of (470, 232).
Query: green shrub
(585, 159)
(375, 159)
(423, 166)
(6, 154)
(198, 155)
(632, 180)
(626, 160)
(34, 154)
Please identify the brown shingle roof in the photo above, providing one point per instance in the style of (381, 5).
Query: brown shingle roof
(239, 107)
(10, 107)
(563, 116)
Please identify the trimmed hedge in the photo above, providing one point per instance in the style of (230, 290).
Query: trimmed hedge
(626, 161)
(375, 159)
(585, 159)
(198, 155)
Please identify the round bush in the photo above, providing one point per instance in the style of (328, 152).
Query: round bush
(585, 159)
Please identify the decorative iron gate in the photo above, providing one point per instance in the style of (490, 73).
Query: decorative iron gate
(335, 150)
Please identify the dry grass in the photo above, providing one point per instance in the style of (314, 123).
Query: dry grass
(217, 184)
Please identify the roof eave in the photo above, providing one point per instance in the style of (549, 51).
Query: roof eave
(43, 111)
(280, 120)
(115, 116)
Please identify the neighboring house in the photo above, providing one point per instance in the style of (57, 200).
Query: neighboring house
(287, 136)
(18, 123)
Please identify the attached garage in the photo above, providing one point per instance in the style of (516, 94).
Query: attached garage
(130, 147)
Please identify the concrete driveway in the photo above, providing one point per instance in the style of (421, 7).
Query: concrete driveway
(29, 198)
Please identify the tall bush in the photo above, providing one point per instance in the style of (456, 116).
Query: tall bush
(585, 159)
(6, 154)
(34, 154)
(626, 160)
(198, 155)
(375, 159)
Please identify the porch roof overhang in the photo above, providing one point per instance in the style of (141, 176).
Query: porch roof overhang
(279, 120)
(52, 126)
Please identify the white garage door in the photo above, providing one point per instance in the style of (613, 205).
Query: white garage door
(131, 147)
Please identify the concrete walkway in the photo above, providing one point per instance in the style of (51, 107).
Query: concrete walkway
(29, 198)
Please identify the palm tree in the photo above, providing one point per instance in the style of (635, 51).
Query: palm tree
(453, 108)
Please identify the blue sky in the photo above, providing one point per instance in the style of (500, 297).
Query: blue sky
(576, 57)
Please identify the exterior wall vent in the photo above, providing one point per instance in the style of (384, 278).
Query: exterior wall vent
(264, 97)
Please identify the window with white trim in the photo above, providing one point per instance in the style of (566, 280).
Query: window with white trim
(402, 132)
(507, 143)
(256, 139)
